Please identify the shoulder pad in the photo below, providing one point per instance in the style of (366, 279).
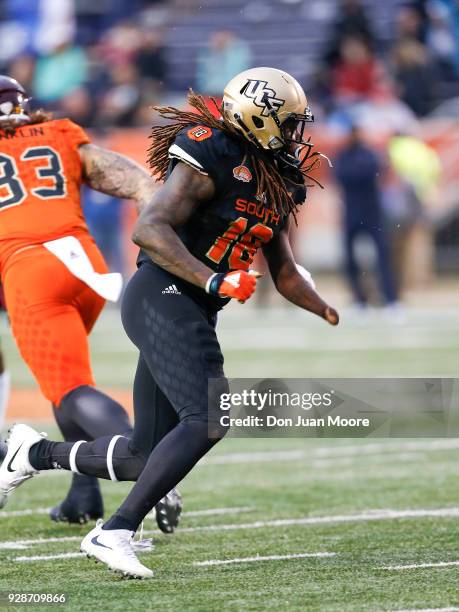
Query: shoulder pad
(74, 134)
(203, 148)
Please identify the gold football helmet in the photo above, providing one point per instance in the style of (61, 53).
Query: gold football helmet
(268, 107)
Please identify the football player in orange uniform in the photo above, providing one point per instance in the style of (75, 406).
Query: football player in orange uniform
(43, 163)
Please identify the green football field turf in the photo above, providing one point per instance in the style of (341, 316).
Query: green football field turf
(345, 516)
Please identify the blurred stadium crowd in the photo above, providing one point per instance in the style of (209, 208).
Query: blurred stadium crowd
(365, 64)
(105, 62)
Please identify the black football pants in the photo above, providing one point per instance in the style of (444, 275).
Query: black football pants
(176, 422)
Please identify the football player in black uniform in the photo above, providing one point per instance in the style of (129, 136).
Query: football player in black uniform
(231, 186)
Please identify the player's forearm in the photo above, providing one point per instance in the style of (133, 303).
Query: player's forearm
(116, 175)
(160, 241)
(295, 289)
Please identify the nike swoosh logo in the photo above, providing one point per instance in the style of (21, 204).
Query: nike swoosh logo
(8, 467)
(97, 543)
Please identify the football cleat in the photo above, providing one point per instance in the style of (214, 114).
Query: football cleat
(82, 504)
(168, 511)
(16, 467)
(114, 547)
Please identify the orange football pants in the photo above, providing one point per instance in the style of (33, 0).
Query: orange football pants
(51, 314)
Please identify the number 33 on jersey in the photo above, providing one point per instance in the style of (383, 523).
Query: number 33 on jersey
(40, 178)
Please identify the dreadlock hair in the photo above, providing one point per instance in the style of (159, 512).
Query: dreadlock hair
(36, 117)
(270, 183)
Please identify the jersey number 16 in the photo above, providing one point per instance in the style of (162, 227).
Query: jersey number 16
(245, 244)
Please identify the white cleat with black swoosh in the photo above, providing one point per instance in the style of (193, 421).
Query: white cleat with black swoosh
(16, 467)
(114, 547)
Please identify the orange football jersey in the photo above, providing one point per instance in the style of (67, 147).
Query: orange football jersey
(40, 179)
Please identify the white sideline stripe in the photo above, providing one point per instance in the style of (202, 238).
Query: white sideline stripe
(23, 544)
(75, 555)
(430, 610)
(208, 512)
(215, 511)
(211, 512)
(50, 557)
(26, 512)
(380, 447)
(248, 339)
(420, 565)
(328, 463)
(267, 558)
(369, 515)
(332, 452)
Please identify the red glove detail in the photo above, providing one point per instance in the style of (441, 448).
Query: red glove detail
(237, 284)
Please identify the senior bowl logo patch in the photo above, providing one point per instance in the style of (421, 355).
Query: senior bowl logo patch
(242, 173)
(199, 133)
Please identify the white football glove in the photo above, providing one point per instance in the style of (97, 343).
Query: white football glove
(306, 275)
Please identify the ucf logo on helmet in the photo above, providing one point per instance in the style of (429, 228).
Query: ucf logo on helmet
(260, 92)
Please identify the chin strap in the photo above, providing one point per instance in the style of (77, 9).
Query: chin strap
(16, 118)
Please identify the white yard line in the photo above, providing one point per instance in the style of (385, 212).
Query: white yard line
(24, 544)
(211, 512)
(267, 558)
(69, 555)
(216, 511)
(391, 447)
(330, 463)
(420, 565)
(429, 610)
(207, 512)
(295, 342)
(75, 555)
(368, 515)
(26, 512)
(337, 452)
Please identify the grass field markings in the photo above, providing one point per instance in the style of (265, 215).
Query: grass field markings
(429, 610)
(212, 512)
(331, 452)
(420, 565)
(26, 512)
(24, 544)
(70, 555)
(75, 555)
(192, 513)
(330, 462)
(383, 447)
(258, 558)
(366, 516)
(369, 515)
(296, 342)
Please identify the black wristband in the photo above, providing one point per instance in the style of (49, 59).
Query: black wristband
(214, 283)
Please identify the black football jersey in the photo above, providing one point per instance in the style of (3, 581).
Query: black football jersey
(226, 232)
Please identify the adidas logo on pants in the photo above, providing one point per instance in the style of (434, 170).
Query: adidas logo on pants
(172, 289)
